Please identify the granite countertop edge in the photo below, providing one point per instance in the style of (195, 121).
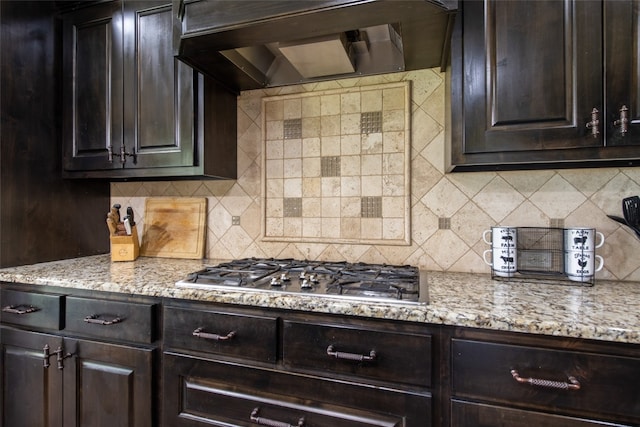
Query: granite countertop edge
(606, 311)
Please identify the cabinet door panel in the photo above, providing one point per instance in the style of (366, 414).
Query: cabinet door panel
(159, 105)
(30, 391)
(92, 86)
(528, 86)
(108, 385)
(622, 35)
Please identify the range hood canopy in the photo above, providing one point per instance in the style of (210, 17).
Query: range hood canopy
(247, 44)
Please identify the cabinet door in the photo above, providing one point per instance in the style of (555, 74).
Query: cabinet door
(529, 75)
(31, 391)
(92, 86)
(108, 385)
(622, 47)
(159, 90)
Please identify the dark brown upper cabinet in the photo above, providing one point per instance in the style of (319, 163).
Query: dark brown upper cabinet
(131, 109)
(545, 84)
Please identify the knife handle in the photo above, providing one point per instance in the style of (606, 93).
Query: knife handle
(111, 224)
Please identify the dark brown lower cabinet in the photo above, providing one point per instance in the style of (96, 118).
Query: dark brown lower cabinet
(82, 383)
(469, 414)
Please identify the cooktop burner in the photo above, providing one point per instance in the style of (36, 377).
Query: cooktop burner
(397, 283)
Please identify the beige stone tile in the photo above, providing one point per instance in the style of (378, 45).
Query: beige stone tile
(330, 208)
(330, 227)
(393, 185)
(329, 125)
(311, 167)
(274, 169)
(350, 165)
(350, 228)
(444, 199)
(311, 127)
(371, 185)
(471, 183)
(349, 145)
(292, 227)
(293, 168)
(312, 227)
(350, 186)
(393, 228)
(393, 120)
(371, 100)
(310, 106)
(394, 142)
(350, 124)
(312, 187)
(330, 105)
(371, 143)
(311, 147)
(274, 207)
(330, 145)
(274, 149)
(527, 183)
(292, 108)
(393, 163)
(557, 197)
(292, 148)
(526, 215)
(274, 188)
(609, 197)
(236, 200)
(393, 207)
(588, 181)
(274, 110)
(446, 248)
(250, 221)
(470, 222)
(393, 99)
(350, 103)
(330, 187)
(371, 228)
(350, 206)
(274, 130)
(498, 199)
(311, 207)
(293, 187)
(371, 164)
(275, 227)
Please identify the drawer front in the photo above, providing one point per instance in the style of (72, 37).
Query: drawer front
(33, 309)
(234, 335)
(467, 414)
(596, 384)
(113, 320)
(206, 392)
(367, 354)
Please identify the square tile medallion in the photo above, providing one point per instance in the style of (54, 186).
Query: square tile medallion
(336, 166)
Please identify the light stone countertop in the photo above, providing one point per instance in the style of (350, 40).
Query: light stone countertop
(608, 311)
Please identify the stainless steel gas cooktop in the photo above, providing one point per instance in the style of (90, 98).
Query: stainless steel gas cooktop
(371, 282)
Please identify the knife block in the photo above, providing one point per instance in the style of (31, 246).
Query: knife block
(125, 248)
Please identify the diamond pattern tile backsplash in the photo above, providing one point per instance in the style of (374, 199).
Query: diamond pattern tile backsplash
(468, 203)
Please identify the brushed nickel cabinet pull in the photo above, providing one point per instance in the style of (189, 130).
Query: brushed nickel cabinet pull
(351, 356)
(623, 121)
(93, 318)
(20, 309)
(573, 383)
(215, 337)
(595, 121)
(271, 423)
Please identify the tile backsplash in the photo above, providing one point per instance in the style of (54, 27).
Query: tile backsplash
(448, 211)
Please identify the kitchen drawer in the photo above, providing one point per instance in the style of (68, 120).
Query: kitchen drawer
(207, 392)
(397, 357)
(33, 309)
(468, 414)
(608, 385)
(113, 320)
(235, 335)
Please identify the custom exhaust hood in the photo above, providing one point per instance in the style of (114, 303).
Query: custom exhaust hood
(246, 44)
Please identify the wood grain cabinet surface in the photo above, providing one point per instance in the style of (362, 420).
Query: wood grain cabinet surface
(91, 374)
(545, 84)
(130, 108)
(506, 379)
(239, 384)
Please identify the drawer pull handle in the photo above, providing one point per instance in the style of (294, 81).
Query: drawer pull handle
(351, 356)
(93, 318)
(573, 383)
(20, 309)
(215, 337)
(272, 423)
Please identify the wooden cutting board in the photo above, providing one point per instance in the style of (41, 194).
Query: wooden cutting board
(174, 227)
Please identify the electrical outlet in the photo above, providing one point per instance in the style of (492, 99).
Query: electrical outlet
(235, 220)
